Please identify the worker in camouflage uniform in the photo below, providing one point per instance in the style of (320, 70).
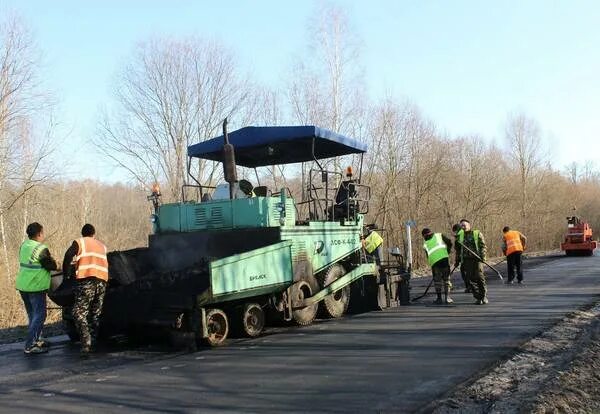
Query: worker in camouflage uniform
(437, 248)
(87, 258)
(470, 253)
(455, 229)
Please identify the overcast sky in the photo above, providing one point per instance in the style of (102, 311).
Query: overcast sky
(465, 63)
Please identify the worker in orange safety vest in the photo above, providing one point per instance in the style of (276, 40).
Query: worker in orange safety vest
(513, 245)
(87, 256)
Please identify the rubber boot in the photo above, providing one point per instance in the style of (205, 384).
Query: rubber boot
(439, 300)
(447, 299)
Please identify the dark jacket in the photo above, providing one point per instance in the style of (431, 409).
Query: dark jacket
(68, 267)
(47, 261)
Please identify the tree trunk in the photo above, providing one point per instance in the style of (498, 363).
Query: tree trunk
(4, 247)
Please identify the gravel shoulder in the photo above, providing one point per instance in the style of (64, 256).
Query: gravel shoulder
(558, 371)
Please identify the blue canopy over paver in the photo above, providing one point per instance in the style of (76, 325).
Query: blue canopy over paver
(263, 146)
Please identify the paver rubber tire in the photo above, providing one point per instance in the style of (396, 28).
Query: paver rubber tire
(303, 289)
(217, 326)
(336, 304)
(249, 320)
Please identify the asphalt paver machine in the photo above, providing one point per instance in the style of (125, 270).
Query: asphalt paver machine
(240, 255)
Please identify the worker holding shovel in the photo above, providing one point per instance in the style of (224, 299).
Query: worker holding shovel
(455, 229)
(437, 248)
(471, 252)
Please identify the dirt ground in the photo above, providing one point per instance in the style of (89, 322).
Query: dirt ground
(556, 372)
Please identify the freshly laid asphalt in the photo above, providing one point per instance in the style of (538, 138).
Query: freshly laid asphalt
(396, 360)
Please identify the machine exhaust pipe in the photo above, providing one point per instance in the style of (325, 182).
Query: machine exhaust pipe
(229, 167)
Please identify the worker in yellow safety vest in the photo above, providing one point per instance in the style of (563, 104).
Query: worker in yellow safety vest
(437, 249)
(33, 281)
(513, 245)
(372, 244)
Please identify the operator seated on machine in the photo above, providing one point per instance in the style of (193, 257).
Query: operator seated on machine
(343, 207)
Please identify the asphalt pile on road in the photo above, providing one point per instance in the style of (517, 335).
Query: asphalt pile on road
(557, 371)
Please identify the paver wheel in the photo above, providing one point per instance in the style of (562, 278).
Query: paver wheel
(217, 326)
(336, 304)
(252, 319)
(303, 289)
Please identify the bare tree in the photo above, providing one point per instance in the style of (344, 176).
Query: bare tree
(572, 172)
(337, 46)
(25, 142)
(523, 139)
(20, 86)
(325, 83)
(171, 94)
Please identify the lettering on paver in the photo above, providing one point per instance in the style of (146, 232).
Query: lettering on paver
(339, 242)
(257, 277)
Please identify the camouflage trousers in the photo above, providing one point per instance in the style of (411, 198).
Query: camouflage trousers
(89, 297)
(476, 278)
(441, 278)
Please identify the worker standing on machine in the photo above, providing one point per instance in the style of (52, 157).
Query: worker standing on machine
(372, 244)
(513, 245)
(437, 248)
(471, 253)
(91, 274)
